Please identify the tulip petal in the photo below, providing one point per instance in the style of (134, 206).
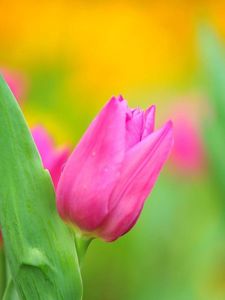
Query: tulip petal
(140, 170)
(134, 126)
(149, 121)
(57, 164)
(93, 168)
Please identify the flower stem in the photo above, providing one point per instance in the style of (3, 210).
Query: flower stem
(82, 243)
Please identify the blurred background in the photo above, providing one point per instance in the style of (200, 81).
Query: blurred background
(65, 59)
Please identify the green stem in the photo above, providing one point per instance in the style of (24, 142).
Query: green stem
(82, 243)
(2, 272)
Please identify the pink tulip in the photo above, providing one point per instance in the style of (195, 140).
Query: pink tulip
(53, 159)
(188, 151)
(111, 172)
(15, 82)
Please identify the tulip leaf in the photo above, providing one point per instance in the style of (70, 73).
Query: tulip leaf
(215, 141)
(213, 68)
(213, 62)
(39, 247)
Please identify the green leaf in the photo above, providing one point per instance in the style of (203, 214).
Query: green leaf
(215, 142)
(40, 249)
(212, 56)
(213, 69)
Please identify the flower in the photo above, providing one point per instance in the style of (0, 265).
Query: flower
(53, 159)
(111, 172)
(188, 155)
(188, 150)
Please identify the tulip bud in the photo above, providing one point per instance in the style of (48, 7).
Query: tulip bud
(111, 172)
(53, 158)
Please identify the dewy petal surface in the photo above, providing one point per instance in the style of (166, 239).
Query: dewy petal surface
(140, 170)
(92, 170)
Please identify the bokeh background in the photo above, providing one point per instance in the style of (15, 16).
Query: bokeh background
(70, 57)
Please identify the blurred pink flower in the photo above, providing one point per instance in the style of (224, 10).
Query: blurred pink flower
(188, 151)
(53, 158)
(111, 172)
(15, 81)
